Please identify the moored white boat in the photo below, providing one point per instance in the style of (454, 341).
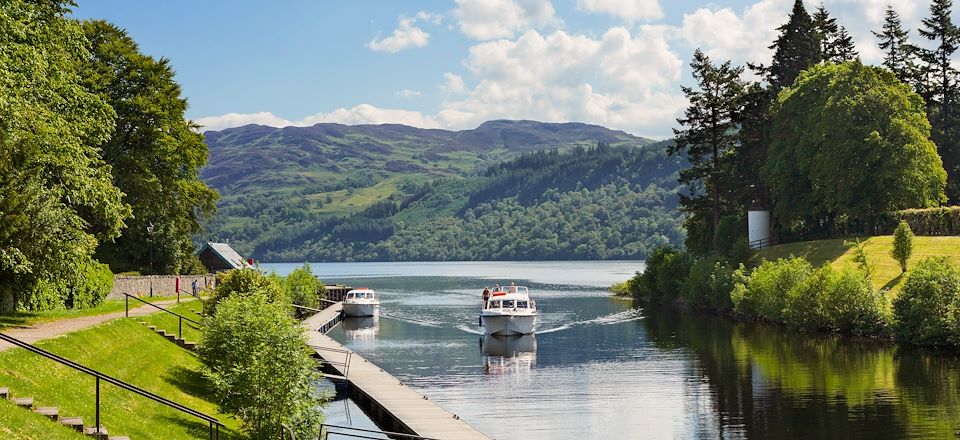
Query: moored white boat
(509, 311)
(361, 302)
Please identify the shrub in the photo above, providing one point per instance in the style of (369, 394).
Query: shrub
(855, 306)
(925, 312)
(260, 366)
(302, 287)
(663, 276)
(244, 282)
(929, 221)
(709, 285)
(805, 305)
(730, 230)
(94, 285)
(902, 244)
(763, 293)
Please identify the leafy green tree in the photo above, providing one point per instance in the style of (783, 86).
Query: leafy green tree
(894, 41)
(708, 136)
(57, 201)
(303, 288)
(154, 152)
(260, 366)
(796, 48)
(938, 86)
(925, 311)
(902, 244)
(242, 282)
(850, 140)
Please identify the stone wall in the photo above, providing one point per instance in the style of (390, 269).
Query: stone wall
(157, 285)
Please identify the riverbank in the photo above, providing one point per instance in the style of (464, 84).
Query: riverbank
(836, 286)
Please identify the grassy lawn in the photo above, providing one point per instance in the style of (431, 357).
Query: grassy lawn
(23, 319)
(128, 351)
(886, 270)
(170, 322)
(19, 423)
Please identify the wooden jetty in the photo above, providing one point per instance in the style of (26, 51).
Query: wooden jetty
(383, 396)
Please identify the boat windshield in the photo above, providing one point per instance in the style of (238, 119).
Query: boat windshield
(350, 296)
(508, 303)
(521, 304)
(494, 304)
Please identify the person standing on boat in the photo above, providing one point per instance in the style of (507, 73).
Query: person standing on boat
(486, 296)
(513, 287)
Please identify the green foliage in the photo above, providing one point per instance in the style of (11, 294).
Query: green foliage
(260, 366)
(764, 293)
(303, 288)
(591, 203)
(841, 133)
(796, 48)
(664, 275)
(708, 285)
(898, 54)
(154, 152)
(854, 306)
(931, 221)
(902, 244)
(620, 289)
(860, 257)
(244, 282)
(94, 285)
(925, 312)
(730, 230)
(57, 199)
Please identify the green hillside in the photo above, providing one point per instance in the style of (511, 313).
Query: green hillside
(284, 191)
(886, 270)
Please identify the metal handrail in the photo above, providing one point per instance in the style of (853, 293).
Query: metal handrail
(759, 244)
(214, 423)
(324, 434)
(126, 306)
(346, 359)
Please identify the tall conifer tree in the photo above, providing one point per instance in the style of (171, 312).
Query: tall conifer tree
(941, 94)
(796, 49)
(893, 41)
(836, 44)
(708, 135)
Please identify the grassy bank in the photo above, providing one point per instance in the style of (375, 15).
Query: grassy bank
(18, 423)
(170, 323)
(128, 351)
(886, 270)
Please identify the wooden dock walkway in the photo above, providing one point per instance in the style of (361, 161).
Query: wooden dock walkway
(412, 410)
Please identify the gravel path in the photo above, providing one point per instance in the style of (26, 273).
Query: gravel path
(52, 329)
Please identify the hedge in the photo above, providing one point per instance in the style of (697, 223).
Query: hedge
(929, 221)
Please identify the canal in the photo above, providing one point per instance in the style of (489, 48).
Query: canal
(600, 367)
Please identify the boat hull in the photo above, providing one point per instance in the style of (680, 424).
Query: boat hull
(505, 325)
(355, 309)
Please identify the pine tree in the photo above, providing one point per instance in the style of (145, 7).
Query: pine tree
(708, 135)
(836, 44)
(941, 88)
(893, 41)
(796, 49)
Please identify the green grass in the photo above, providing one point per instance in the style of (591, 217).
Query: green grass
(23, 319)
(168, 322)
(128, 351)
(20, 423)
(886, 273)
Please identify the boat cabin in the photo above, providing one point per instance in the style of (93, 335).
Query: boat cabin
(511, 304)
(361, 294)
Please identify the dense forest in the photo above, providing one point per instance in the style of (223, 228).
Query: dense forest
(599, 202)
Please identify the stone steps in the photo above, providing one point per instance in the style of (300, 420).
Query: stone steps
(53, 413)
(172, 337)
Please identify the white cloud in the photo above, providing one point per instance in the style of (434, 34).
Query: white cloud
(453, 83)
(407, 93)
(490, 19)
(405, 36)
(723, 35)
(629, 10)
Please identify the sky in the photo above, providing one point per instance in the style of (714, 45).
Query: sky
(457, 63)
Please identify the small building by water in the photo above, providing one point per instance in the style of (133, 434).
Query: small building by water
(219, 257)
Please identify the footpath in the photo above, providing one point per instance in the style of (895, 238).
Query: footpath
(46, 330)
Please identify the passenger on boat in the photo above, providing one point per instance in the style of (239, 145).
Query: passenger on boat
(486, 296)
(513, 287)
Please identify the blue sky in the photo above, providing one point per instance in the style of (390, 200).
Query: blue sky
(456, 63)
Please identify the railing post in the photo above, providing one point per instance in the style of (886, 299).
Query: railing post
(180, 329)
(126, 305)
(211, 430)
(98, 405)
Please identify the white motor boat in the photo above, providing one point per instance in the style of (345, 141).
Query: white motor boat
(361, 302)
(509, 311)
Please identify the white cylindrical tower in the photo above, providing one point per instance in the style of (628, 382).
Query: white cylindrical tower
(758, 228)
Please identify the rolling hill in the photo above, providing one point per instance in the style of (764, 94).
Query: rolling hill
(338, 192)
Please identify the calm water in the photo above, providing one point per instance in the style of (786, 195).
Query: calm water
(601, 368)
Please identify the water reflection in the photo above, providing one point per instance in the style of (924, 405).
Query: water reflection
(508, 354)
(363, 328)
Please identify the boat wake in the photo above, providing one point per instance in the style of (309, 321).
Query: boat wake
(411, 320)
(611, 319)
(468, 329)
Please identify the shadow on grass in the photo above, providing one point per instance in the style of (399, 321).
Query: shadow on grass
(17, 319)
(190, 382)
(893, 282)
(201, 429)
